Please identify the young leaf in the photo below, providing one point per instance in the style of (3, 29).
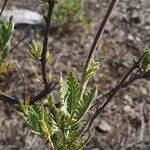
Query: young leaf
(35, 51)
(93, 67)
(85, 103)
(146, 61)
(48, 57)
(72, 93)
(21, 107)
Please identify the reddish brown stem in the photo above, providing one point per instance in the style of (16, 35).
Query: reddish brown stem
(45, 41)
(99, 34)
(115, 90)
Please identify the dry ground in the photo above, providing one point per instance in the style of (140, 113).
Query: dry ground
(126, 36)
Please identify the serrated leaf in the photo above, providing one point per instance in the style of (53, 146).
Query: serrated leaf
(53, 109)
(146, 61)
(91, 70)
(72, 93)
(55, 113)
(73, 132)
(80, 131)
(84, 104)
(57, 142)
(36, 119)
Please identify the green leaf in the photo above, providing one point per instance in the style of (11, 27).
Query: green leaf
(91, 70)
(84, 104)
(6, 31)
(73, 132)
(146, 61)
(57, 142)
(48, 57)
(53, 109)
(79, 132)
(35, 115)
(72, 93)
(36, 119)
(35, 51)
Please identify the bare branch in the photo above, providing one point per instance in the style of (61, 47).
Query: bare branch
(132, 79)
(26, 35)
(115, 90)
(4, 5)
(39, 96)
(8, 99)
(45, 41)
(50, 87)
(99, 33)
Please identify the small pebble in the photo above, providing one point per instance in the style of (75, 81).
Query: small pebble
(103, 127)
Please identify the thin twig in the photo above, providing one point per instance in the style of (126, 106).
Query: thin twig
(51, 86)
(115, 90)
(99, 34)
(8, 99)
(4, 5)
(19, 42)
(132, 79)
(39, 96)
(45, 41)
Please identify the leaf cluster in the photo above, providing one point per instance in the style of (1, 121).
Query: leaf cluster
(35, 52)
(62, 126)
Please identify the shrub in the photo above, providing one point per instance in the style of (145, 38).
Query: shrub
(64, 127)
(68, 11)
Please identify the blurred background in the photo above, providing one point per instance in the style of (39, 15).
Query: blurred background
(125, 123)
